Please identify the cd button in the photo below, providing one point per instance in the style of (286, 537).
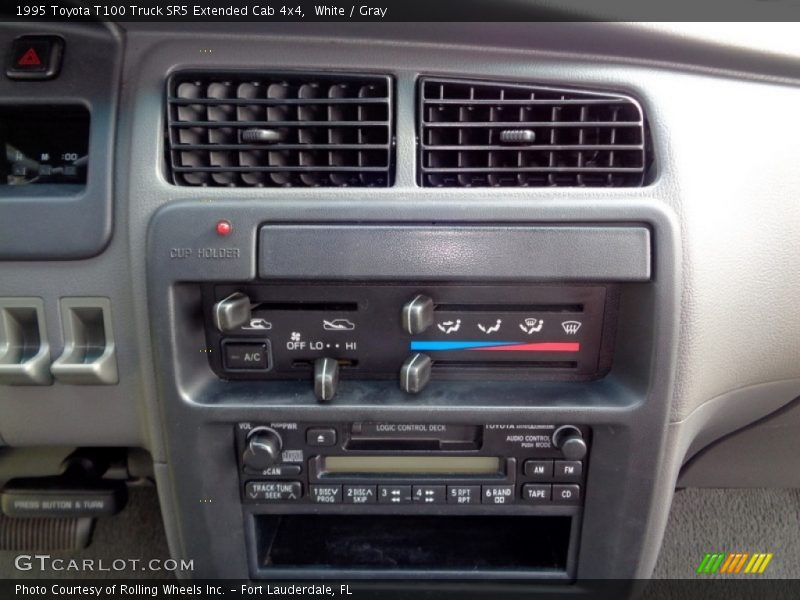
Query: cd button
(463, 494)
(359, 494)
(394, 494)
(566, 494)
(429, 494)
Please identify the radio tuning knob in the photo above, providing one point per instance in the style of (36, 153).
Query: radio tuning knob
(417, 314)
(263, 448)
(326, 378)
(569, 440)
(415, 373)
(232, 312)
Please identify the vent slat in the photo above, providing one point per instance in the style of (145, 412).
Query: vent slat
(248, 129)
(544, 124)
(275, 147)
(480, 134)
(519, 169)
(242, 124)
(541, 147)
(504, 102)
(272, 101)
(279, 169)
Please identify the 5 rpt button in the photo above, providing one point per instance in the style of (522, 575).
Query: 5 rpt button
(463, 494)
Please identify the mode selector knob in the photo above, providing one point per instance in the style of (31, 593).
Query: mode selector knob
(263, 449)
(569, 440)
(417, 314)
(232, 312)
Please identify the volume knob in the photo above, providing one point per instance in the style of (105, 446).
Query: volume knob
(569, 440)
(263, 448)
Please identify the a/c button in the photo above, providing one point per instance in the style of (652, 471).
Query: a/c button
(250, 356)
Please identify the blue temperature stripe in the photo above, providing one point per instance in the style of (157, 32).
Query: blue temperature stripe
(433, 346)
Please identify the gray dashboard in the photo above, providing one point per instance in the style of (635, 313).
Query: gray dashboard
(710, 343)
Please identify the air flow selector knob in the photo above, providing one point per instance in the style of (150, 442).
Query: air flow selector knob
(417, 314)
(232, 312)
(569, 440)
(263, 449)
(415, 373)
(326, 378)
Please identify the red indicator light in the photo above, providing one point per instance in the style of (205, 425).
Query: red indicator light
(224, 228)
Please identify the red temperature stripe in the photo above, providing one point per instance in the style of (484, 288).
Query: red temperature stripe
(536, 347)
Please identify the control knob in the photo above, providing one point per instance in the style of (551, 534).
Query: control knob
(326, 378)
(232, 312)
(417, 314)
(415, 373)
(263, 448)
(569, 440)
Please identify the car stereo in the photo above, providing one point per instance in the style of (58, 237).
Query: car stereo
(416, 464)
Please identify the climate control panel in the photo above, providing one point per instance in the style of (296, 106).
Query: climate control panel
(412, 333)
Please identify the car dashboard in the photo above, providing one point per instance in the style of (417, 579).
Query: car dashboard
(439, 301)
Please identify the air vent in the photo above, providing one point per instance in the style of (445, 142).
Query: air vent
(494, 134)
(280, 130)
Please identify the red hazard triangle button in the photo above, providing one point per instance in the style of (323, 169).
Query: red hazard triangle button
(30, 59)
(35, 57)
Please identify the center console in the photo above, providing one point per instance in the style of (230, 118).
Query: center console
(465, 400)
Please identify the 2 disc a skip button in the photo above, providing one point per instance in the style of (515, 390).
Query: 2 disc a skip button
(360, 494)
